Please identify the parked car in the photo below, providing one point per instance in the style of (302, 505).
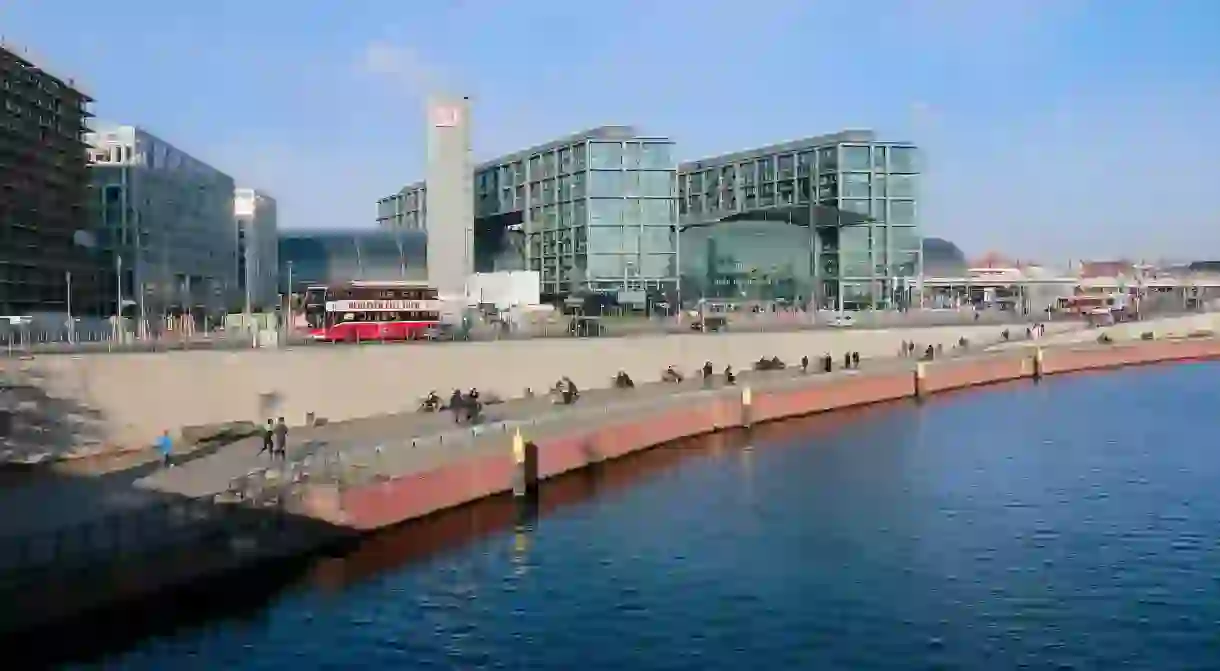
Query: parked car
(843, 321)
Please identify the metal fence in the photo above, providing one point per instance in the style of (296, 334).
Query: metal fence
(27, 342)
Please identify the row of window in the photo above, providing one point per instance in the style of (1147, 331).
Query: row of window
(896, 212)
(861, 158)
(902, 264)
(595, 183)
(749, 200)
(610, 266)
(596, 155)
(610, 211)
(861, 183)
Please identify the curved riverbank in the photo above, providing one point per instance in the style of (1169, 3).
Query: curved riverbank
(386, 487)
(398, 497)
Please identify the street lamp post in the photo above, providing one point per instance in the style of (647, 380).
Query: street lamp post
(71, 320)
(118, 299)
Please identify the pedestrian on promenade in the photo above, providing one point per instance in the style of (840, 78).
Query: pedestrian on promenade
(281, 440)
(166, 447)
(855, 359)
(847, 360)
(457, 404)
(804, 364)
(268, 439)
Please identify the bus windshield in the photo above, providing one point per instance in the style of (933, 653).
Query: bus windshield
(315, 307)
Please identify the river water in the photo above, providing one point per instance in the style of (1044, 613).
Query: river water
(1072, 524)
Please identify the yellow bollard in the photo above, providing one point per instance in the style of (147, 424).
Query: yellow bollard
(518, 448)
(747, 401)
(921, 375)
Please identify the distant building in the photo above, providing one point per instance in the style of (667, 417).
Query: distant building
(255, 223)
(167, 220)
(1119, 268)
(48, 256)
(332, 256)
(592, 211)
(829, 221)
(942, 258)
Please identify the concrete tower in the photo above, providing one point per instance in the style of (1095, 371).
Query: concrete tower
(450, 197)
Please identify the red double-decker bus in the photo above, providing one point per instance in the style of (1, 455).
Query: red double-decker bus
(361, 311)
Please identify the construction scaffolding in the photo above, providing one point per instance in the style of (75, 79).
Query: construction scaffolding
(48, 252)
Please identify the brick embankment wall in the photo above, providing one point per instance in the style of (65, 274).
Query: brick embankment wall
(399, 499)
(134, 397)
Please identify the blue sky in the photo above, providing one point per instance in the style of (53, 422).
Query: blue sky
(1053, 129)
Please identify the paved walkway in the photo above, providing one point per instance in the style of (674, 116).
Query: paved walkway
(401, 444)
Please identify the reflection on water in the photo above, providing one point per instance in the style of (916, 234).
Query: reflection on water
(1068, 525)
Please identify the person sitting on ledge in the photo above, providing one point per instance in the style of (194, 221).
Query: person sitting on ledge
(474, 407)
(623, 381)
(729, 377)
(672, 376)
(708, 371)
(963, 343)
(456, 404)
(777, 364)
(929, 354)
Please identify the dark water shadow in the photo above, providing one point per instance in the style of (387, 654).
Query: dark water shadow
(80, 590)
(244, 593)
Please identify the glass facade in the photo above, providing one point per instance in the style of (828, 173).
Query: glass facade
(326, 257)
(748, 261)
(167, 219)
(847, 202)
(403, 210)
(595, 211)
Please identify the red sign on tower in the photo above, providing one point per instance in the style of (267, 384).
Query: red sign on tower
(446, 116)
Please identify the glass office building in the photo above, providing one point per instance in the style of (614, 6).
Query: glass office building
(333, 256)
(167, 220)
(830, 222)
(591, 212)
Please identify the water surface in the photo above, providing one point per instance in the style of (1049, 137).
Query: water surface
(1072, 524)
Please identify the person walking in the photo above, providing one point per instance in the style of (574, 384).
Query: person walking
(281, 439)
(268, 439)
(165, 446)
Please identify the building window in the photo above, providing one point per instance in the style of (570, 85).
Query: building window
(656, 156)
(605, 183)
(856, 158)
(879, 159)
(856, 184)
(903, 186)
(605, 155)
(903, 159)
(902, 212)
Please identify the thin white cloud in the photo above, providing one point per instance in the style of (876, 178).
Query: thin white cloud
(403, 66)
